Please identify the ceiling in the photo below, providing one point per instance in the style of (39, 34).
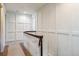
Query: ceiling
(23, 7)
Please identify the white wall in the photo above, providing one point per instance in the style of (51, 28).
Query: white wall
(61, 25)
(45, 17)
(2, 27)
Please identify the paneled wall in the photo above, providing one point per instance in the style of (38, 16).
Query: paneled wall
(16, 24)
(60, 24)
(10, 26)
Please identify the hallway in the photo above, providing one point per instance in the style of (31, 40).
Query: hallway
(40, 29)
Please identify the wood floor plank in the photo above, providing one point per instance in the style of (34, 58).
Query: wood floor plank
(26, 52)
(15, 50)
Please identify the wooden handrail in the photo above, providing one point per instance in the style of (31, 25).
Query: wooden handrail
(37, 36)
(40, 37)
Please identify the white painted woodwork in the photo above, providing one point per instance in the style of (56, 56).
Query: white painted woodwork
(64, 45)
(63, 20)
(75, 44)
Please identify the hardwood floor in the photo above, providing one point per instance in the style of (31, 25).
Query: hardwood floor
(26, 52)
(0, 53)
(15, 49)
(5, 52)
